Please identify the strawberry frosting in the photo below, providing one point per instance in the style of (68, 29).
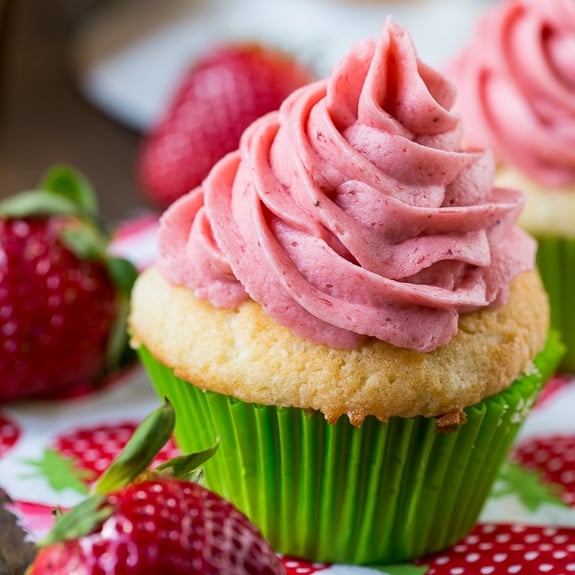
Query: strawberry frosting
(516, 87)
(353, 212)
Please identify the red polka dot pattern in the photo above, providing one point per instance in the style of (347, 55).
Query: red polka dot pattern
(94, 448)
(298, 567)
(504, 549)
(554, 456)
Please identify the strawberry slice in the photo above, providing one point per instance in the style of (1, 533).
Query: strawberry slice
(220, 94)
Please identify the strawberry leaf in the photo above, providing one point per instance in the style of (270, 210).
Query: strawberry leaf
(118, 339)
(37, 203)
(69, 183)
(84, 240)
(123, 273)
(185, 465)
(529, 486)
(148, 439)
(197, 476)
(61, 472)
(63, 191)
(78, 521)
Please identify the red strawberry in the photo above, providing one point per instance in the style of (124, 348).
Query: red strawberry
(62, 297)
(507, 549)
(172, 525)
(218, 97)
(138, 523)
(554, 456)
(9, 434)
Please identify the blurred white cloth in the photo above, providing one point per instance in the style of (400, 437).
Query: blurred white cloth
(129, 56)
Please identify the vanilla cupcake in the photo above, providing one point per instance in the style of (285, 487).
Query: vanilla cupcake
(516, 94)
(348, 304)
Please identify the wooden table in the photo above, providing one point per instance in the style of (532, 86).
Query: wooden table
(43, 117)
(15, 552)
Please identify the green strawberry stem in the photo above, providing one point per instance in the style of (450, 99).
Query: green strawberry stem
(131, 465)
(150, 436)
(37, 203)
(62, 191)
(122, 272)
(79, 521)
(68, 183)
(185, 465)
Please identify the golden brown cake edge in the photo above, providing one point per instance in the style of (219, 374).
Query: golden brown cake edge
(245, 354)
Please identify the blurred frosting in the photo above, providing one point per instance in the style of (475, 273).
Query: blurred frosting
(516, 87)
(353, 212)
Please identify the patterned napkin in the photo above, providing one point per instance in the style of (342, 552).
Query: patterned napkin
(51, 450)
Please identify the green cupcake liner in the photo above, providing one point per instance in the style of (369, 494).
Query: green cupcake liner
(382, 492)
(556, 264)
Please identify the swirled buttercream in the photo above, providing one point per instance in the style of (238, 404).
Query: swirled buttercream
(352, 212)
(516, 87)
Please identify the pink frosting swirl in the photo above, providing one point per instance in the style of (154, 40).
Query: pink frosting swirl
(516, 87)
(352, 212)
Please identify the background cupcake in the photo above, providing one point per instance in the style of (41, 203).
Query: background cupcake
(516, 94)
(348, 305)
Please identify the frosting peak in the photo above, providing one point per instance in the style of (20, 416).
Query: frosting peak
(516, 87)
(352, 212)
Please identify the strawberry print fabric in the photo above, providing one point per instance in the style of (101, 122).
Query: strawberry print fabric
(51, 451)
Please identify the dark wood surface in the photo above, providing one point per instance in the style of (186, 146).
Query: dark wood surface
(16, 551)
(44, 119)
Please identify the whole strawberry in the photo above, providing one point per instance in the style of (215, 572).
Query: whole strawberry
(218, 97)
(171, 526)
(155, 522)
(62, 296)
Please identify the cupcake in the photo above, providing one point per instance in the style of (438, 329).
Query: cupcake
(516, 94)
(347, 305)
